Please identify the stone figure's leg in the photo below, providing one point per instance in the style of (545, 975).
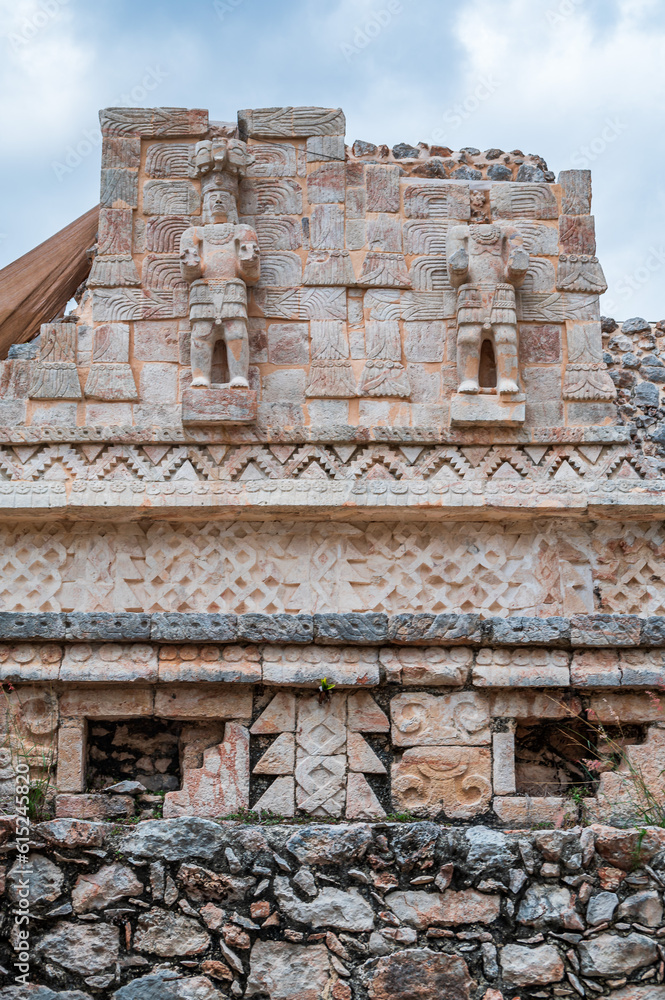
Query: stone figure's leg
(468, 356)
(237, 352)
(203, 343)
(505, 350)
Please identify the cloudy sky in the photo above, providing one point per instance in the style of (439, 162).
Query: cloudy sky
(581, 82)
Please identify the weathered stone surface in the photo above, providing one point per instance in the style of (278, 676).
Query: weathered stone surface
(424, 909)
(524, 966)
(620, 847)
(45, 881)
(454, 780)
(418, 974)
(203, 884)
(369, 627)
(601, 907)
(166, 934)
(71, 833)
(275, 628)
(534, 631)
(47, 625)
(94, 807)
(605, 630)
(107, 627)
(331, 908)
(84, 949)
(282, 971)
(487, 848)
(428, 628)
(169, 984)
(173, 839)
(443, 720)
(642, 907)
(613, 955)
(333, 845)
(107, 886)
(548, 906)
(221, 785)
(174, 627)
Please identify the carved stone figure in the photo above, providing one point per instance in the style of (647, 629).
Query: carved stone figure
(219, 259)
(486, 266)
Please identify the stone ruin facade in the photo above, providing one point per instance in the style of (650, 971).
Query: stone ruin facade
(333, 606)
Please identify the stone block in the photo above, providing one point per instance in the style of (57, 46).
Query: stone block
(326, 184)
(431, 666)
(532, 631)
(525, 811)
(153, 122)
(503, 763)
(577, 234)
(540, 343)
(156, 340)
(28, 662)
(642, 668)
(71, 833)
(524, 966)
(483, 409)
(177, 197)
(106, 702)
(327, 412)
(221, 785)
(288, 343)
(275, 628)
(209, 664)
(42, 625)
(71, 764)
(425, 341)
(118, 662)
(214, 701)
(109, 414)
(454, 780)
(523, 201)
(590, 414)
(521, 668)
(421, 719)
(159, 383)
(283, 387)
(307, 665)
(382, 183)
(218, 405)
(290, 122)
(653, 631)
(121, 152)
(532, 705)
(174, 626)
(625, 708)
(119, 188)
(327, 227)
(575, 191)
(369, 627)
(592, 668)
(425, 629)
(605, 630)
(421, 909)
(324, 147)
(94, 807)
(103, 626)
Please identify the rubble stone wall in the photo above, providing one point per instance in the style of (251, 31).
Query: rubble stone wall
(190, 909)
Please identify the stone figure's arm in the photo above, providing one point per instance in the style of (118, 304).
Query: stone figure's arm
(518, 263)
(458, 257)
(249, 264)
(190, 258)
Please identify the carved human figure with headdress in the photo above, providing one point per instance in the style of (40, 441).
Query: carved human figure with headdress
(219, 259)
(486, 265)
